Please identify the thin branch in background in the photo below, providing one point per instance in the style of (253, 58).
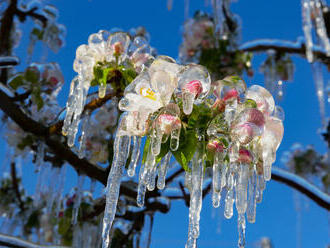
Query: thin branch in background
(10, 241)
(16, 186)
(151, 216)
(282, 46)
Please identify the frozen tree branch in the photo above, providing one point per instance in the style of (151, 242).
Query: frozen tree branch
(283, 46)
(10, 241)
(99, 173)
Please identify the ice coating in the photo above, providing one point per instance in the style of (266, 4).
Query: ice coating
(229, 90)
(195, 83)
(270, 141)
(195, 201)
(102, 47)
(248, 124)
(264, 100)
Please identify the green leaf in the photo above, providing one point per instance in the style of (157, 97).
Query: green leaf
(165, 147)
(38, 33)
(32, 76)
(187, 148)
(37, 97)
(17, 82)
(145, 150)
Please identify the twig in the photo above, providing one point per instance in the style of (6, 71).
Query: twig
(10, 241)
(299, 48)
(16, 186)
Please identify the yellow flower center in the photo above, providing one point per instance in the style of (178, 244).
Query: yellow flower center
(148, 93)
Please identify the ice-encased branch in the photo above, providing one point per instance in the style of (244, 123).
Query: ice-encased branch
(302, 185)
(8, 61)
(298, 47)
(10, 241)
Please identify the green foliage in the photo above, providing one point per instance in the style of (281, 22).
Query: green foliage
(106, 71)
(16, 82)
(65, 227)
(224, 60)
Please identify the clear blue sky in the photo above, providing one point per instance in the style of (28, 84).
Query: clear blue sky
(280, 19)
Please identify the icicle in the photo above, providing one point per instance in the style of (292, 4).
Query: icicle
(175, 136)
(241, 188)
(113, 185)
(319, 85)
(218, 17)
(267, 168)
(84, 132)
(152, 178)
(40, 155)
(60, 190)
(260, 187)
(75, 106)
(169, 4)
(187, 102)
(241, 230)
(187, 180)
(156, 141)
(195, 200)
(216, 182)
(320, 26)
(224, 169)
(307, 28)
(228, 213)
(162, 171)
(55, 174)
(186, 9)
(251, 208)
(135, 156)
(76, 206)
(70, 105)
(40, 187)
(142, 188)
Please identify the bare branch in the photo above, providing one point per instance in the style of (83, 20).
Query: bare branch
(298, 48)
(16, 186)
(10, 241)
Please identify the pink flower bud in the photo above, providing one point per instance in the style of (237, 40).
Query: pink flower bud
(215, 146)
(233, 93)
(219, 105)
(244, 156)
(256, 117)
(195, 87)
(118, 48)
(167, 121)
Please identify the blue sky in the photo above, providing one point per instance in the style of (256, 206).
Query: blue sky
(280, 19)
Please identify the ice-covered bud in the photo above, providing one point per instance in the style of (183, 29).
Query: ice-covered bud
(215, 146)
(117, 48)
(219, 106)
(245, 156)
(255, 117)
(194, 83)
(230, 94)
(194, 87)
(166, 121)
(230, 87)
(264, 100)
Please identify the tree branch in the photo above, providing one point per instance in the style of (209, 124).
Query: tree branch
(301, 185)
(283, 46)
(16, 186)
(8, 61)
(10, 241)
(97, 172)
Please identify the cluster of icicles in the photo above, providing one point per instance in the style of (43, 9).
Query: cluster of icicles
(243, 137)
(312, 14)
(103, 47)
